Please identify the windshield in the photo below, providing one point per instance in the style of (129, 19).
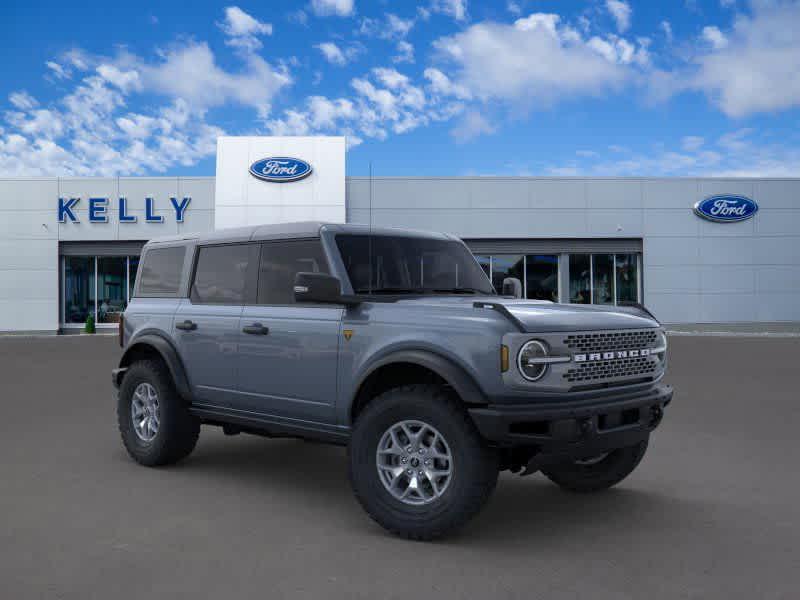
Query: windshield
(409, 265)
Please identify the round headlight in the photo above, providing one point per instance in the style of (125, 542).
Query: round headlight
(527, 360)
(662, 344)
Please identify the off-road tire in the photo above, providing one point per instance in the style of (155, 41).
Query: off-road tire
(475, 466)
(599, 476)
(178, 430)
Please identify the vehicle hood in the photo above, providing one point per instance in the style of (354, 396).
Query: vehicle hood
(536, 316)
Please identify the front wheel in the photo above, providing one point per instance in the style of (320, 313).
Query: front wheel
(417, 464)
(598, 472)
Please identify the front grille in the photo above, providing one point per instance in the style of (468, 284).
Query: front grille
(612, 369)
(611, 340)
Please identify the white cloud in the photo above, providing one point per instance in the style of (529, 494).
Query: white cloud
(397, 26)
(391, 27)
(336, 55)
(619, 50)
(138, 126)
(57, 70)
(441, 84)
(332, 53)
(758, 70)
(91, 131)
(536, 60)
(127, 80)
(22, 100)
(190, 72)
(621, 11)
(243, 29)
(735, 154)
(391, 78)
(715, 37)
(666, 27)
(339, 8)
(453, 8)
(471, 125)
(37, 123)
(385, 101)
(405, 53)
(514, 8)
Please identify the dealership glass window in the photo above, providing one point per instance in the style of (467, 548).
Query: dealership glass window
(627, 278)
(112, 293)
(507, 265)
(541, 277)
(79, 288)
(100, 286)
(603, 278)
(580, 278)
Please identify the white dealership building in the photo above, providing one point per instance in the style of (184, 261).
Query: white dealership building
(694, 250)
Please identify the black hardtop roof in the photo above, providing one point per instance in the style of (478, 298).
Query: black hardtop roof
(279, 231)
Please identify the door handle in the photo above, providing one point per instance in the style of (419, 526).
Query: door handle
(186, 325)
(256, 329)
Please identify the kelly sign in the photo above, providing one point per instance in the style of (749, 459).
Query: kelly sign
(99, 208)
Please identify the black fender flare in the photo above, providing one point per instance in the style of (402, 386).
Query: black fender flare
(164, 348)
(454, 375)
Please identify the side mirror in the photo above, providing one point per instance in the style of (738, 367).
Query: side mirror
(512, 287)
(317, 287)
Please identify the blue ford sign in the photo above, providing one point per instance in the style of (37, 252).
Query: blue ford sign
(280, 169)
(725, 208)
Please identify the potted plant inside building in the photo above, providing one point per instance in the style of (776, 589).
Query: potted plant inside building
(89, 327)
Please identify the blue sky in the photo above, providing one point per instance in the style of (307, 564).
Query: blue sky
(438, 87)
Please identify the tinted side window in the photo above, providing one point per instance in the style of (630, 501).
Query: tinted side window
(220, 274)
(161, 271)
(280, 262)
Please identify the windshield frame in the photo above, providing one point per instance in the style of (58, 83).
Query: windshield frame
(476, 282)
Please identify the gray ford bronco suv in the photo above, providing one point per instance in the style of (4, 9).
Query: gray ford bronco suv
(395, 344)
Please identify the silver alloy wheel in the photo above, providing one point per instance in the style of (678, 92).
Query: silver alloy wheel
(414, 462)
(145, 413)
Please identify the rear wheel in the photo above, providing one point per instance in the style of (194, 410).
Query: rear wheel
(153, 419)
(417, 464)
(597, 473)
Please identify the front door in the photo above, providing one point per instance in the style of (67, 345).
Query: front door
(206, 324)
(288, 353)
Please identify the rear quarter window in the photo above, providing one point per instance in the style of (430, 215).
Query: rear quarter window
(160, 272)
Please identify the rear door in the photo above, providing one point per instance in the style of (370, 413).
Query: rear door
(207, 323)
(288, 352)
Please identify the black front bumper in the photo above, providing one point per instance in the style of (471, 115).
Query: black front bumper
(575, 428)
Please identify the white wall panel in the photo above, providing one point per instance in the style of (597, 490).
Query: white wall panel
(237, 189)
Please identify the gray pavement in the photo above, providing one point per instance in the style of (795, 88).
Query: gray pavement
(712, 512)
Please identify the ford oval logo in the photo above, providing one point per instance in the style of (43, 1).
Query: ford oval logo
(726, 209)
(280, 169)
